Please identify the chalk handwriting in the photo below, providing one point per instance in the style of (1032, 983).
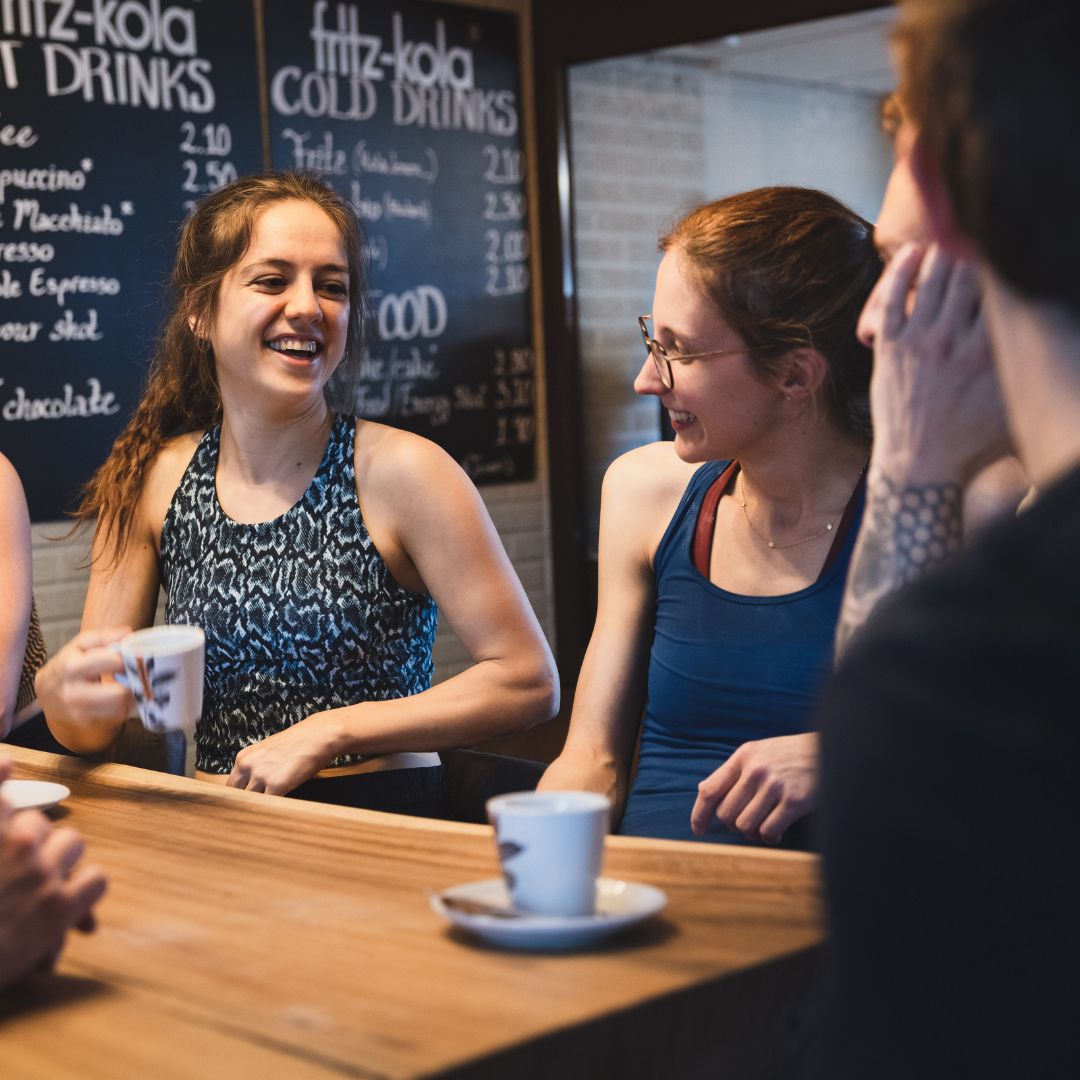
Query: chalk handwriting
(28, 212)
(131, 25)
(69, 405)
(20, 138)
(47, 178)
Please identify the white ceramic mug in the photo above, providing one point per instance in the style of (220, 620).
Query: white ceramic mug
(551, 845)
(163, 669)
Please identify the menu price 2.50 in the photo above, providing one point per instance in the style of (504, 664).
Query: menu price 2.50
(206, 168)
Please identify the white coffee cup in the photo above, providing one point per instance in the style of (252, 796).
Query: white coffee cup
(163, 669)
(551, 845)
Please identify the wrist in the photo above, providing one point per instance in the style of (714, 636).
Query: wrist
(333, 733)
(907, 471)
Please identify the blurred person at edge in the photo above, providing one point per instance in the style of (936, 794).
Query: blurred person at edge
(22, 645)
(949, 737)
(44, 892)
(933, 395)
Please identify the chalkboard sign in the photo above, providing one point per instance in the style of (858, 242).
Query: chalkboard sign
(412, 111)
(113, 117)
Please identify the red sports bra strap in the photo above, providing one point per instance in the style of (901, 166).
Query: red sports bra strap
(706, 522)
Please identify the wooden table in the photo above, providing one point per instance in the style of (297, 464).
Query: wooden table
(252, 936)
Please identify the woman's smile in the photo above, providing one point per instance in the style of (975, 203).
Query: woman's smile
(298, 349)
(681, 420)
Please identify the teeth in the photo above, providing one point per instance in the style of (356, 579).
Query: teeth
(681, 417)
(293, 345)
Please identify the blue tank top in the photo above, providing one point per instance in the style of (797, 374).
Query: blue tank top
(724, 669)
(301, 613)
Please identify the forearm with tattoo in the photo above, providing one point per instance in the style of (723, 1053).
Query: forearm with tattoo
(906, 530)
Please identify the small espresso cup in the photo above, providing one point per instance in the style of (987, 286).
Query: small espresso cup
(551, 845)
(163, 669)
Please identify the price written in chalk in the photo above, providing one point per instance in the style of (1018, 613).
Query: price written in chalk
(516, 361)
(213, 140)
(504, 206)
(207, 176)
(514, 430)
(514, 393)
(503, 165)
(509, 280)
(511, 246)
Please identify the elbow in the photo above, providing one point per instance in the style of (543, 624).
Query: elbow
(540, 693)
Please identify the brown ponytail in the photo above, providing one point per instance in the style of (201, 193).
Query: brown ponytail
(181, 392)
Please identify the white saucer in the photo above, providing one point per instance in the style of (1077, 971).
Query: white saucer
(33, 794)
(619, 905)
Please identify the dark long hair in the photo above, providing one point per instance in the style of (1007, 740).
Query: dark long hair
(787, 268)
(181, 392)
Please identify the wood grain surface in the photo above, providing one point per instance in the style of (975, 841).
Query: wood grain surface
(247, 935)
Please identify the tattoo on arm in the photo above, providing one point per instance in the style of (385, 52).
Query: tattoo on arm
(905, 531)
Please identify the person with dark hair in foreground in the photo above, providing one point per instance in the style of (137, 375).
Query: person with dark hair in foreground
(949, 745)
(934, 398)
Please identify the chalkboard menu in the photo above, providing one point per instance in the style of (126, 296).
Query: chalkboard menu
(412, 111)
(116, 114)
(113, 117)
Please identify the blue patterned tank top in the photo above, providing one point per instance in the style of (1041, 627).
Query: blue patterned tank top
(301, 613)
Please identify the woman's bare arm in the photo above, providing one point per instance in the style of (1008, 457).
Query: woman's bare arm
(84, 707)
(433, 531)
(16, 586)
(640, 493)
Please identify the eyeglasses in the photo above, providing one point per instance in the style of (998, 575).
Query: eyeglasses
(663, 359)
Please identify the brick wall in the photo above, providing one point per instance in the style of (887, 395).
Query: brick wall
(638, 150)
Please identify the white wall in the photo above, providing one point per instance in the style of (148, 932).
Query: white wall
(763, 131)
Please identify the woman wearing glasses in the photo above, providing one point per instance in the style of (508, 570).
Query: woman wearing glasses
(723, 554)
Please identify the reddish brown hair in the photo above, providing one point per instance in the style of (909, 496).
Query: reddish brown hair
(181, 392)
(992, 87)
(787, 268)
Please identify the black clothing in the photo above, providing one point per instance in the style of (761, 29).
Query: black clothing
(950, 816)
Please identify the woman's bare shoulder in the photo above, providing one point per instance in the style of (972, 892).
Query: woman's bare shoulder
(653, 473)
(400, 461)
(641, 490)
(11, 491)
(164, 474)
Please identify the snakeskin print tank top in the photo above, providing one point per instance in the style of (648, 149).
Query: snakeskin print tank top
(301, 613)
(34, 658)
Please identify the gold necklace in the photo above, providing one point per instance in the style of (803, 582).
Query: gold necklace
(741, 496)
